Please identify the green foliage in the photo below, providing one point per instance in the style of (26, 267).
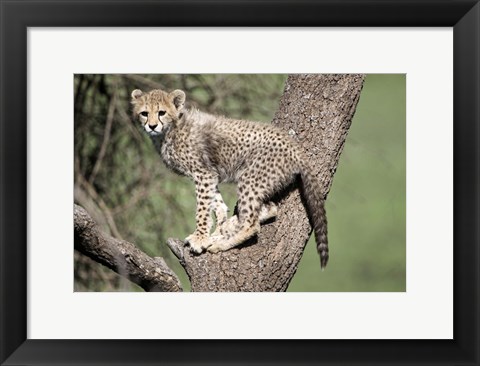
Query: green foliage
(121, 181)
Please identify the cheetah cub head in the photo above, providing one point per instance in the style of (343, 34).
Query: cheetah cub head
(157, 110)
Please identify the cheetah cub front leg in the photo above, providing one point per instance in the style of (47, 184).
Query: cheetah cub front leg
(221, 213)
(206, 192)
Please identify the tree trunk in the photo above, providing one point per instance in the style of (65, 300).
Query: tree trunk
(316, 110)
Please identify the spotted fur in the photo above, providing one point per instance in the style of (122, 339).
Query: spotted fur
(210, 149)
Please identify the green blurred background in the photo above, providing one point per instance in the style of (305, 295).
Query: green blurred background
(121, 181)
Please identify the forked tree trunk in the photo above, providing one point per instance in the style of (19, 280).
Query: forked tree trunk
(317, 111)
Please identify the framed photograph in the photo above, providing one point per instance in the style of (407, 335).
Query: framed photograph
(137, 115)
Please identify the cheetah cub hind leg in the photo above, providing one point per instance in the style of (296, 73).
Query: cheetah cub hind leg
(234, 233)
(230, 227)
(268, 211)
(224, 243)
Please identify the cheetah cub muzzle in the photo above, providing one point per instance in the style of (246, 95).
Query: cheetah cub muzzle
(261, 159)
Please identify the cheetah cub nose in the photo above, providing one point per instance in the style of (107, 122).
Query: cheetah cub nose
(152, 127)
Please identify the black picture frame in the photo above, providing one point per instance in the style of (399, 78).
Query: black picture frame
(18, 15)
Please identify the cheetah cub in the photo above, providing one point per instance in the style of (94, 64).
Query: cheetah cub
(210, 149)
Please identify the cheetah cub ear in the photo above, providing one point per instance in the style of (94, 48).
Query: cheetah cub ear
(178, 98)
(137, 93)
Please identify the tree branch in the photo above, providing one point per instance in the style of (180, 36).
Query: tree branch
(106, 139)
(152, 274)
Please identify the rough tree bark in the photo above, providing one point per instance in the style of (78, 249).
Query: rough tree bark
(152, 274)
(316, 110)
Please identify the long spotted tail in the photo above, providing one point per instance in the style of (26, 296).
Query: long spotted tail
(316, 209)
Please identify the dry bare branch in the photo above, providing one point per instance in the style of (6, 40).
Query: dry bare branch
(152, 274)
(106, 139)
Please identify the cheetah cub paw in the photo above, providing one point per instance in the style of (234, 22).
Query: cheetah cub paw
(198, 243)
(229, 227)
(217, 244)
